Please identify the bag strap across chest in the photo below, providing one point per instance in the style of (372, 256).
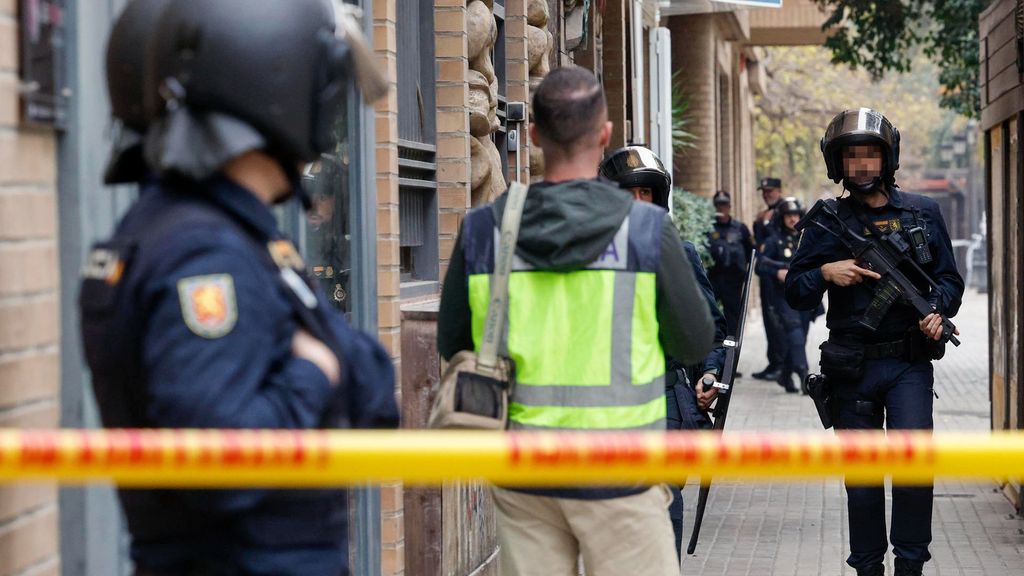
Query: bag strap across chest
(494, 325)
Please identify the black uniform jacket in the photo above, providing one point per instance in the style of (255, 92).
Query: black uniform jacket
(805, 285)
(188, 323)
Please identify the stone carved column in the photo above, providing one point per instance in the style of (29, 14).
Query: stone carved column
(539, 45)
(488, 179)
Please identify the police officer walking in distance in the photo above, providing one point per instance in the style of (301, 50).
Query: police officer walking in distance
(773, 266)
(731, 247)
(198, 312)
(877, 359)
(764, 228)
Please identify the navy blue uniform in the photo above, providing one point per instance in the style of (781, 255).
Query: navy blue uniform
(188, 316)
(778, 253)
(765, 227)
(683, 411)
(730, 246)
(896, 389)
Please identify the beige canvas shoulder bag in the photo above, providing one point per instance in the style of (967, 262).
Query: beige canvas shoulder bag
(475, 388)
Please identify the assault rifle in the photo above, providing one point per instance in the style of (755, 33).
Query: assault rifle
(882, 253)
(732, 344)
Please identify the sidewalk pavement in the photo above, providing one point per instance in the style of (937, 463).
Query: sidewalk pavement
(801, 529)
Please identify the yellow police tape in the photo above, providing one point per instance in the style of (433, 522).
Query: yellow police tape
(171, 458)
(242, 458)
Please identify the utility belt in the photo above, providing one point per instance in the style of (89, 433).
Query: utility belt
(843, 357)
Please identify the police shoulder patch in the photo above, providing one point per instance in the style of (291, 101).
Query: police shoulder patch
(208, 304)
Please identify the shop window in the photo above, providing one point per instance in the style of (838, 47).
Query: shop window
(417, 133)
(326, 241)
(417, 211)
(323, 234)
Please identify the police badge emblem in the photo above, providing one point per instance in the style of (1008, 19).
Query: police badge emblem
(208, 304)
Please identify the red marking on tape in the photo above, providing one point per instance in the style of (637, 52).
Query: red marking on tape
(681, 450)
(804, 453)
(87, 455)
(259, 455)
(40, 448)
(206, 453)
(724, 453)
(616, 450)
(298, 448)
(179, 443)
(232, 453)
(515, 451)
(569, 449)
(135, 453)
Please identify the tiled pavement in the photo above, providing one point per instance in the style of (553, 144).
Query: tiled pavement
(801, 529)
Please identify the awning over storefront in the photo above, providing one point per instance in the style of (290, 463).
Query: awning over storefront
(681, 7)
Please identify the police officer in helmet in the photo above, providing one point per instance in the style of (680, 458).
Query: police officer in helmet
(198, 312)
(881, 376)
(125, 64)
(773, 267)
(640, 171)
(730, 245)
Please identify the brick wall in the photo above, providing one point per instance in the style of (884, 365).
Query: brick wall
(517, 76)
(453, 138)
(693, 52)
(388, 259)
(615, 70)
(29, 312)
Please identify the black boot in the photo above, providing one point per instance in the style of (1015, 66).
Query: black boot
(876, 570)
(786, 381)
(769, 373)
(908, 567)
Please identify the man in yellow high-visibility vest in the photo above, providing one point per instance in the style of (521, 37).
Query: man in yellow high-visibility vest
(600, 291)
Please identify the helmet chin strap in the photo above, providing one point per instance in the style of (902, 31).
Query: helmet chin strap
(862, 189)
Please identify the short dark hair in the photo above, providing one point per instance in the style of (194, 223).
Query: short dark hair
(568, 105)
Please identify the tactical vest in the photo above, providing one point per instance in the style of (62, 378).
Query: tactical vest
(584, 342)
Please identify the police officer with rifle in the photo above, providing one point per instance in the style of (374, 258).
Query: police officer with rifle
(885, 258)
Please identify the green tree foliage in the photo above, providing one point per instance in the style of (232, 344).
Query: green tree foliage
(694, 217)
(804, 92)
(884, 36)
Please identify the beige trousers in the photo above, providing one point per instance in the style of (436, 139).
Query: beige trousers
(628, 536)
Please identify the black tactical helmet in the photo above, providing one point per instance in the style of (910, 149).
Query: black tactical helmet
(125, 74)
(638, 167)
(721, 197)
(789, 205)
(274, 66)
(861, 126)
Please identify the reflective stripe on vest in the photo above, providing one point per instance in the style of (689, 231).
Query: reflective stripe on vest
(585, 342)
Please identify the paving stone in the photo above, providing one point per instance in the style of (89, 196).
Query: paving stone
(785, 529)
